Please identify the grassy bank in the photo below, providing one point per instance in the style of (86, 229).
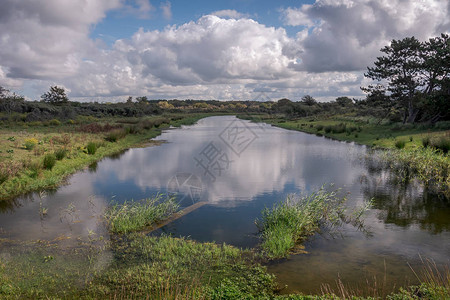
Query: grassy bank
(41, 155)
(364, 130)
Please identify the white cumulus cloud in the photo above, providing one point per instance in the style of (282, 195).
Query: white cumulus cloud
(223, 55)
(47, 39)
(346, 35)
(229, 13)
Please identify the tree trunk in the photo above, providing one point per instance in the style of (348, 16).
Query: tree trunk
(404, 117)
(412, 113)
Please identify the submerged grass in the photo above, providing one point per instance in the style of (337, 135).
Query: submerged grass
(294, 219)
(434, 284)
(136, 215)
(178, 268)
(137, 266)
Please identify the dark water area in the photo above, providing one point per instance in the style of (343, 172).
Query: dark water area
(239, 168)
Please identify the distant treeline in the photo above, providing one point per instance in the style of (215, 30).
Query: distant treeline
(14, 108)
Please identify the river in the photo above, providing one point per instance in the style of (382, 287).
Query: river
(237, 168)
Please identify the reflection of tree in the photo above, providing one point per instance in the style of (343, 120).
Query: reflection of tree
(12, 204)
(117, 155)
(404, 203)
(9, 205)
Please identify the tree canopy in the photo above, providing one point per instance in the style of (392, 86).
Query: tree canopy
(416, 75)
(56, 95)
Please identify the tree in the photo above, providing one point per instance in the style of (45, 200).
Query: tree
(308, 100)
(415, 73)
(56, 95)
(9, 102)
(344, 101)
(436, 57)
(401, 68)
(3, 92)
(283, 106)
(142, 99)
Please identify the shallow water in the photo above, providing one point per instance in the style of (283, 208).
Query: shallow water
(239, 168)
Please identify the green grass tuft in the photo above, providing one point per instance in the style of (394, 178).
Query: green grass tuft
(294, 219)
(115, 135)
(91, 148)
(136, 215)
(49, 161)
(426, 141)
(441, 143)
(400, 144)
(60, 154)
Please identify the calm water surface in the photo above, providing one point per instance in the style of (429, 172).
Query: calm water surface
(239, 168)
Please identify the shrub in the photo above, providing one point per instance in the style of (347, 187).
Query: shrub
(328, 129)
(8, 170)
(160, 121)
(63, 140)
(133, 129)
(147, 124)
(35, 169)
(91, 148)
(49, 161)
(60, 154)
(3, 176)
(115, 135)
(426, 141)
(85, 119)
(30, 143)
(400, 144)
(54, 122)
(340, 128)
(96, 127)
(350, 129)
(35, 123)
(442, 143)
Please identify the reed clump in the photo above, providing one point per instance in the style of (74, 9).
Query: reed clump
(428, 165)
(115, 135)
(136, 215)
(294, 219)
(49, 161)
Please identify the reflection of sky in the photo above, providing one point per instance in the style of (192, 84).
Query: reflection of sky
(276, 163)
(276, 159)
(73, 211)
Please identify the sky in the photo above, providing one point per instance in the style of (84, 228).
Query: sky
(107, 50)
